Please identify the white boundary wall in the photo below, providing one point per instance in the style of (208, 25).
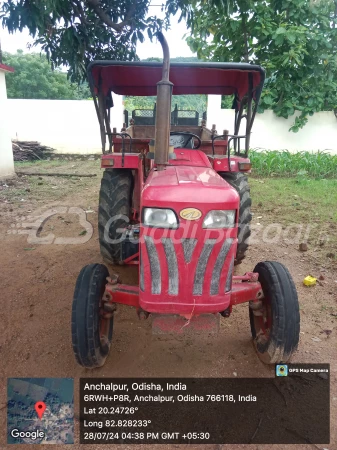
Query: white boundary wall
(272, 133)
(6, 156)
(71, 126)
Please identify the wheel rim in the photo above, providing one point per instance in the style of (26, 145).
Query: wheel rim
(263, 323)
(103, 325)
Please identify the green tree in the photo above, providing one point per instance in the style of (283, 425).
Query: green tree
(74, 32)
(34, 78)
(191, 102)
(294, 40)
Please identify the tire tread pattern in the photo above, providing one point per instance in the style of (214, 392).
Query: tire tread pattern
(239, 181)
(88, 349)
(115, 198)
(278, 285)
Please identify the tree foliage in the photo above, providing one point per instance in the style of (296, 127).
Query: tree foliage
(74, 32)
(34, 78)
(294, 40)
(190, 102)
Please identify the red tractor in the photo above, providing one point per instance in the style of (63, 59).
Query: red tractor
(175, 200)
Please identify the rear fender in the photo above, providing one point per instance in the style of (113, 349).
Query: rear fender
(120, 161)
(128, 161)
(221, 164)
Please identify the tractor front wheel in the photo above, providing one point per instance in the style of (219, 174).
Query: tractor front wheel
(275, 318)
(91, 332)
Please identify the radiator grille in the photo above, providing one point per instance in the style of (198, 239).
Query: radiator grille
(200, 267)
(172, 264)
(219, 265)
(228, 286)
(154, 265)
(141, 271)
(188, 247)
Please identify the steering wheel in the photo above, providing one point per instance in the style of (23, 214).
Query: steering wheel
(183, 141)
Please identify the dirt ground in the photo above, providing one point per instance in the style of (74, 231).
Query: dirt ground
(37, 283)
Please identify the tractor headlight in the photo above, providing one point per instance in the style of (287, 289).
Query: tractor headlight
(160, 218)
(220, 218)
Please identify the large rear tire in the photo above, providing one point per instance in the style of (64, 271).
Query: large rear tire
(91, 333)
(275, 319)
(239, 182)
(115, 200)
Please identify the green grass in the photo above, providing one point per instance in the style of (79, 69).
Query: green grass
(40, 163)
(300, 164)
(303, 201)
(311, 199)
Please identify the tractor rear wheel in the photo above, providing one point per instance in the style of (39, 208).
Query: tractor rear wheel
(115, 200)
(275, 319)
(239, 182)
(91, 332)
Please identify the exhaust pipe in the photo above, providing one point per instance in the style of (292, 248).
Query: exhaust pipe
(163, 110)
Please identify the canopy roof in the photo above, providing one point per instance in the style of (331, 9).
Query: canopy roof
(141, 78)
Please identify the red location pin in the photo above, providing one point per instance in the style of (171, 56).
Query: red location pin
(40, 408)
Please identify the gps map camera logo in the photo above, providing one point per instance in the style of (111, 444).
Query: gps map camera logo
(282, 370)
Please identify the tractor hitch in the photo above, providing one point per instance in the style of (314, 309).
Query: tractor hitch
(142, 315)
(227, 312)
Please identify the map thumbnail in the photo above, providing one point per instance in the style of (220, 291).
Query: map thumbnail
(56, 425)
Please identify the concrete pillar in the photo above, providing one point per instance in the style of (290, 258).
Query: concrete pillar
(6, 154)
(213, 108)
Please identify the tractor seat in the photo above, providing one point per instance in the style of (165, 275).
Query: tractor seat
(179, 142)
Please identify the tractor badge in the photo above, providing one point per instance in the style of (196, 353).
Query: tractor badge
(190, 214)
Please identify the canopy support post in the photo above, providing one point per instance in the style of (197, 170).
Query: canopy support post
(249, 112)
